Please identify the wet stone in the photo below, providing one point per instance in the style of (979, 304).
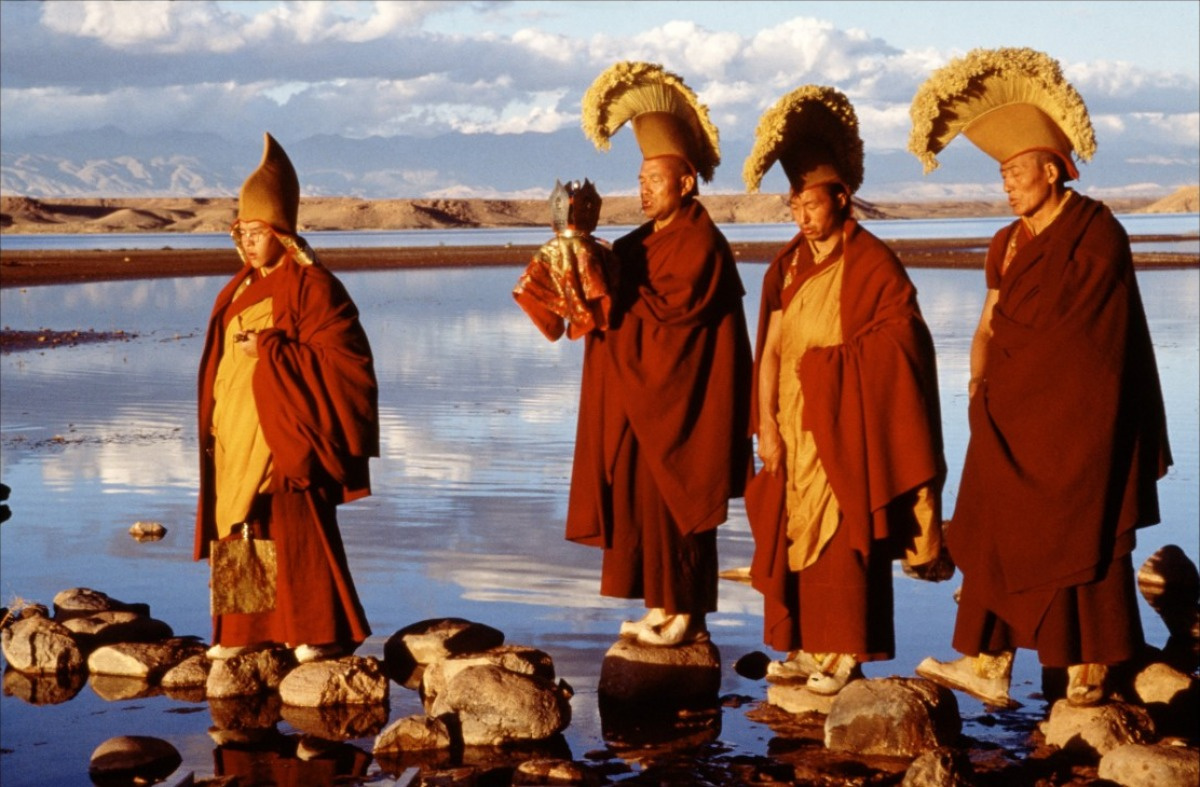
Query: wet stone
(147, 531)
(899, 717)
(545, 772)
(352, 680)
(521, 659)
(192, 672)
(940, 767)
(1098, 730)
(420, 644)
(1158, 765)
(113, 626)
(413, 733)
(250, 673)
(635, 673)
(794, 697)
(495, 707)
(39, 645)
(145, 660)
(133, 759)
(82, 602)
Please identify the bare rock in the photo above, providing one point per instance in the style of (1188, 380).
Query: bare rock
(352, 680)
(145, 660)
(1171, 697)
(133, 759)
(794, 697)
(420, 644)
(337, 722)
(192, 672)
(494, 706)
(51, 688)
(940, 767)
(551, 771)
(1159, 765)
(898, 717)
(112, 626)
(635, 673)
(1097, 730)
(247, 674)
(413, 733)
(81, 602)
(39, 645)
(521, 659)
(147, 531)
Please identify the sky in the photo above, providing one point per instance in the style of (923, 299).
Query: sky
(423, 69)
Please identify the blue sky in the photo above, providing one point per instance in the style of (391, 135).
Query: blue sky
(422, 69)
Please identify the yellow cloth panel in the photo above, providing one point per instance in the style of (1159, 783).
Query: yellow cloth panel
(241, 455)
(813, 318)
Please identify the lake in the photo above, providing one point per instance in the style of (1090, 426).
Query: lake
(478, 421)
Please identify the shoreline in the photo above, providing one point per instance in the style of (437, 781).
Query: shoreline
(45, 267)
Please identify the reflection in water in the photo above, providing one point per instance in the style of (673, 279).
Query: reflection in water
(478, 424)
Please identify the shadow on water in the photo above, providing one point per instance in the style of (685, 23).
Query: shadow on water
(478, 419)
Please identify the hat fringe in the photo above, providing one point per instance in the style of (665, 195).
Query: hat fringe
(628, 89)
(810, 115)
(986, 79)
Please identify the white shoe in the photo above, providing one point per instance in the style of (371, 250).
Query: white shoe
(221, 652)
(798, 666)
(832, 676)
(306, 653)
(655, 616)
(985, 677)
(681, 629)
(1086, 684)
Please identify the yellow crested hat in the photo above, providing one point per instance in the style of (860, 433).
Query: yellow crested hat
(666, 116)
(813, 133)
(272, 192)
(1007, 102)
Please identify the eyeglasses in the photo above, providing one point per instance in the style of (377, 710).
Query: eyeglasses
(249, 236)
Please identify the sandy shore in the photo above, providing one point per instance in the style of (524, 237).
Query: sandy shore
(33, 268)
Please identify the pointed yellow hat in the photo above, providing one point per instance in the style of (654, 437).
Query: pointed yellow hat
(272, 192)
(1007, 102)
(666, 116)
(813, 133)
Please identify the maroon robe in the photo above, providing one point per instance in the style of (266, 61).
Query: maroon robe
(317, 399)
(662, 438)
(1068, 440)
(872, 406)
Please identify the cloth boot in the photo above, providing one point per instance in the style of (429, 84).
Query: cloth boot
(985, 677)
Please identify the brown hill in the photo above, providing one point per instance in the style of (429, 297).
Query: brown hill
(168, 214)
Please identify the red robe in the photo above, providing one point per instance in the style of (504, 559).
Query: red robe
(873, 408)
(672, 375)
(317, 399)
(1068, 439)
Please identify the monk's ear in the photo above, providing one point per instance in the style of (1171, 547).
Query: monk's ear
(687, 182)
(1052, 169)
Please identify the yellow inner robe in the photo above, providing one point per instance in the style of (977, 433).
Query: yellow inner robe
(813, 318)
(241, 456)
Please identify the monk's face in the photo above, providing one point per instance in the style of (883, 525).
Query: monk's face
(1029, 183)
(662, 184)
(817, 212)
(262, 249)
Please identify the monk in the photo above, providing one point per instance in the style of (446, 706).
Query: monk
(661, 444)
(1068, 431)
(288, 410)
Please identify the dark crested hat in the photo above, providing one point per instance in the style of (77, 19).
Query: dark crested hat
(813, 133)
(1007, 102)
(666, 116)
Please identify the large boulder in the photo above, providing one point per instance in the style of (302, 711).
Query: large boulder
(521, 659)
(1161, 766)
(414, 647)
(190, 673)
(493, 706)
(144, 660)
(646, 674)
(1171, 697)
(352, 680)
(38, 645)
(83, 602)
(897, 717)
(133, 759)
(1096, 731)
(250, 673)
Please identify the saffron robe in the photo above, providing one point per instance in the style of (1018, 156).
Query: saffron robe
(314, 391)
(665, 398)
(1068, 440)
(871, 403)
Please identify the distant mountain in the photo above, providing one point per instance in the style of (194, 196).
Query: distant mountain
(111, 163)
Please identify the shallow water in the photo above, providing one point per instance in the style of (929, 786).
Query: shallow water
(478, 414)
